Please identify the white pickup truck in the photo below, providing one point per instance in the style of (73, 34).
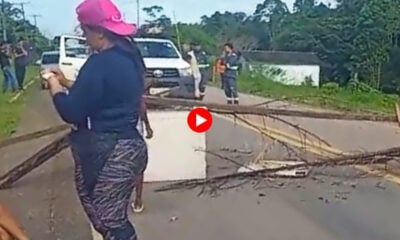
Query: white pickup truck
(165, 65)
(175, 152)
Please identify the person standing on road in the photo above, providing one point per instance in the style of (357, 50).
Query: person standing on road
(10, 82)
(230, 75)
(20, 62)
(220, 69)
(204, 67)
(190, 57)
(143, 123)
(103, 106)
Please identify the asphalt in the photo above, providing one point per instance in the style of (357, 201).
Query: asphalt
(335, 204)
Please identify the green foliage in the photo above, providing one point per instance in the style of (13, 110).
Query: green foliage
(354, 37)
(269, 72)
(330, 95)
(330, 88)
(10, 112)
(17, 27)
(194, 33)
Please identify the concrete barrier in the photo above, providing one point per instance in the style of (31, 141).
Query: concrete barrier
(175, 152)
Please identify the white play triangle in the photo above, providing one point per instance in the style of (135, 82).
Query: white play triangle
(200, 120)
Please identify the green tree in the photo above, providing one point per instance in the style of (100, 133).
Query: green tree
(17, 27)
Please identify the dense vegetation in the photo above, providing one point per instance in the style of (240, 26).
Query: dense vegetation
(355, 39)
(17, 26)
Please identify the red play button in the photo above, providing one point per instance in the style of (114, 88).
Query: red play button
(199, 120)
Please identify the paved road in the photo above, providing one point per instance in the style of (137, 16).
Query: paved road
(345, 135)
(322, 207)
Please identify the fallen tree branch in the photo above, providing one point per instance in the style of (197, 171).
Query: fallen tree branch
(34, 135)
(290, 149)
(302, 131)
(159, 102)
(287, 145)
(302, 100)
(55, 147)
(356, 159)
(243, 109)
(33, 162)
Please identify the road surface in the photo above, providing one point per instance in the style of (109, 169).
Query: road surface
(321, 207)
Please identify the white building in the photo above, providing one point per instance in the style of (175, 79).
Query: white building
(292, 68)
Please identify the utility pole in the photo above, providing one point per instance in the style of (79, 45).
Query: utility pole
(3, 21)
(22, 7)
(35, 17)
(138, 13)
(178, 37)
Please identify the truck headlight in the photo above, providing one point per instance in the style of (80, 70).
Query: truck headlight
(185, 72)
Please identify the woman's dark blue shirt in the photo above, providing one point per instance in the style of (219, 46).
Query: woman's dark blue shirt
(106, 94)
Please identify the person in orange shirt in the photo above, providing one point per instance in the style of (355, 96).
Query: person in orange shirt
(220, 69)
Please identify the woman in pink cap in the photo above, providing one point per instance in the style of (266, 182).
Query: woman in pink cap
(103, 106)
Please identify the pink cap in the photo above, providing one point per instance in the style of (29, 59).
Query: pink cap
(104, 13)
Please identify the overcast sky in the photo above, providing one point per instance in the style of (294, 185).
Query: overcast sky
(58, 16)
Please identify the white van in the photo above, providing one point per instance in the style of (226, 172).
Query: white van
(165, 66)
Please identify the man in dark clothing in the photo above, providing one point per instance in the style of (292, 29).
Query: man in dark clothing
(231, 61)
(21, 61)
(10, 82)
(204, 67)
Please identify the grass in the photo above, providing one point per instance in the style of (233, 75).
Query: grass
(329, 96)
(10, 112)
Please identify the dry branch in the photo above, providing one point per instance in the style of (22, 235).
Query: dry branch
(301, 130)
(243, 109)
(34, 135)
(157, 102)
(58, 145)
(33, 162)
(350, 160)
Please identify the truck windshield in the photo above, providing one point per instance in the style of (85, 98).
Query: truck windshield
(150, 49)
(50, 58)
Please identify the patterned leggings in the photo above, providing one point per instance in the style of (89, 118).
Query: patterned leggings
(105, 173)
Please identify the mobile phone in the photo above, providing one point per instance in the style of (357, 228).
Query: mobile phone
(46, 75)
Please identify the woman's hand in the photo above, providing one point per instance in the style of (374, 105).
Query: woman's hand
(59, 75)
(4, 235)
(9, 227)
(53, 81)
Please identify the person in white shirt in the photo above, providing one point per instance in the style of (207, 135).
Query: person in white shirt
(192, 60)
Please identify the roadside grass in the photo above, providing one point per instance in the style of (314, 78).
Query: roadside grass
(10, 112)
(328, 97)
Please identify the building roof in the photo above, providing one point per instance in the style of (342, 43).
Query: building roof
(282, 57)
